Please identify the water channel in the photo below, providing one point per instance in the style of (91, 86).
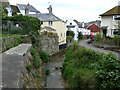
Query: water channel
(55, 80)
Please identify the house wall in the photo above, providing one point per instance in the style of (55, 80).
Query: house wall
(108, 21)
(60, 30)
(9, 11)
(84, 31)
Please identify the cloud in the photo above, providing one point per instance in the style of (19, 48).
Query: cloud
(80, 9)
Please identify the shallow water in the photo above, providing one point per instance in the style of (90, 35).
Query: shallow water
(55, 80)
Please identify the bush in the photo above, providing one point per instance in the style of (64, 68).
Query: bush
(33, 51)
(44, 57)
(69, 38)
(80, 36)
(27, 23)
(97, 37)
(85, 68)
(36, 76)
(70, 33)
(47, 72)
(29, 67)
(116, 39)
(108, 73)
(36, 61)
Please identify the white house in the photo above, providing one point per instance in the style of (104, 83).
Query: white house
(73, 26)
(84, 30)
(7, 6)
(109, 25)
(27, 9)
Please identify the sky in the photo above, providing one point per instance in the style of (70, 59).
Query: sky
(81, 10)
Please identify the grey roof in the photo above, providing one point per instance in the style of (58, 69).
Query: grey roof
(23, 7)
(46, 17)
(48, 28)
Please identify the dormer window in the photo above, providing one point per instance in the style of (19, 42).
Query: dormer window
(50, 23)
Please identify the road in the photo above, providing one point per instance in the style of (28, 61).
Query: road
(86, 45)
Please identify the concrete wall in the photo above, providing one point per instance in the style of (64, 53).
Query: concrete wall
(60, 30)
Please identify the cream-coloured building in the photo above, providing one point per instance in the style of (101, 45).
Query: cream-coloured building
(51, 23)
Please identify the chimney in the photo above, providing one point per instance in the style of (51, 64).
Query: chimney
(50, 9)
(27, 9)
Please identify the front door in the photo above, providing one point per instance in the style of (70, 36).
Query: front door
(105, 32)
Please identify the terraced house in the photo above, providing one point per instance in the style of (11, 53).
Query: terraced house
(54, 24)
(109, 24)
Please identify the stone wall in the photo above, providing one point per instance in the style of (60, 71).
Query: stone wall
(12, 41)
(49, 45)
(26, 78)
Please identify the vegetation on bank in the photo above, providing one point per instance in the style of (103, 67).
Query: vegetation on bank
(107, 40)
(85, 68)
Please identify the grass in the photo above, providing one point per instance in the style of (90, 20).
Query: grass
(7, 35)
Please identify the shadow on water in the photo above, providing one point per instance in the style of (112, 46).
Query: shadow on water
(55, 80)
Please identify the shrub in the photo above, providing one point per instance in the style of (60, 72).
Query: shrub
(45, 57)
(7, 46)
(29, 67)
(47, 72)
(97, 37)
(36, 61)
(108, 73)
(115, 39)
(70, 33)
(33, 51)
(80, 36)
(69, 38)
(36, 76)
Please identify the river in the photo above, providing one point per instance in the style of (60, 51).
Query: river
(55, 80)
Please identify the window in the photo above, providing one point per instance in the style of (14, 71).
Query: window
(61, 34)
(41, 22)
(50, 23)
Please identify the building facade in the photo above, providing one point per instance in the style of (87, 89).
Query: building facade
(109, 24)
(51, 23)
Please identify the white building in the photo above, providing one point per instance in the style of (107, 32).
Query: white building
(7, 6)
(108, 23)
(84, 30)
(73, 26)
(24, 8)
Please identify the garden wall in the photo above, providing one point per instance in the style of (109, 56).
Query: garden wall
(13, 41)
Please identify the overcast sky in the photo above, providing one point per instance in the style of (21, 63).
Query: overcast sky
(81, 10)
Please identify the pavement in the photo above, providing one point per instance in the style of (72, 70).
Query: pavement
(12, 62)
(86, 45)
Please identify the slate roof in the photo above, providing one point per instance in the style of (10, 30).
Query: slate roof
(15, 8)
(113, 11)
(48, 28)
(46, 17)
(23, 7)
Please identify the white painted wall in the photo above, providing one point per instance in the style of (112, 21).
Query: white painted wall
(9, 11)
(75, 29)
(110, 22)
(84, 31)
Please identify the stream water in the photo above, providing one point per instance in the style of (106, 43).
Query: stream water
(55, 80)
